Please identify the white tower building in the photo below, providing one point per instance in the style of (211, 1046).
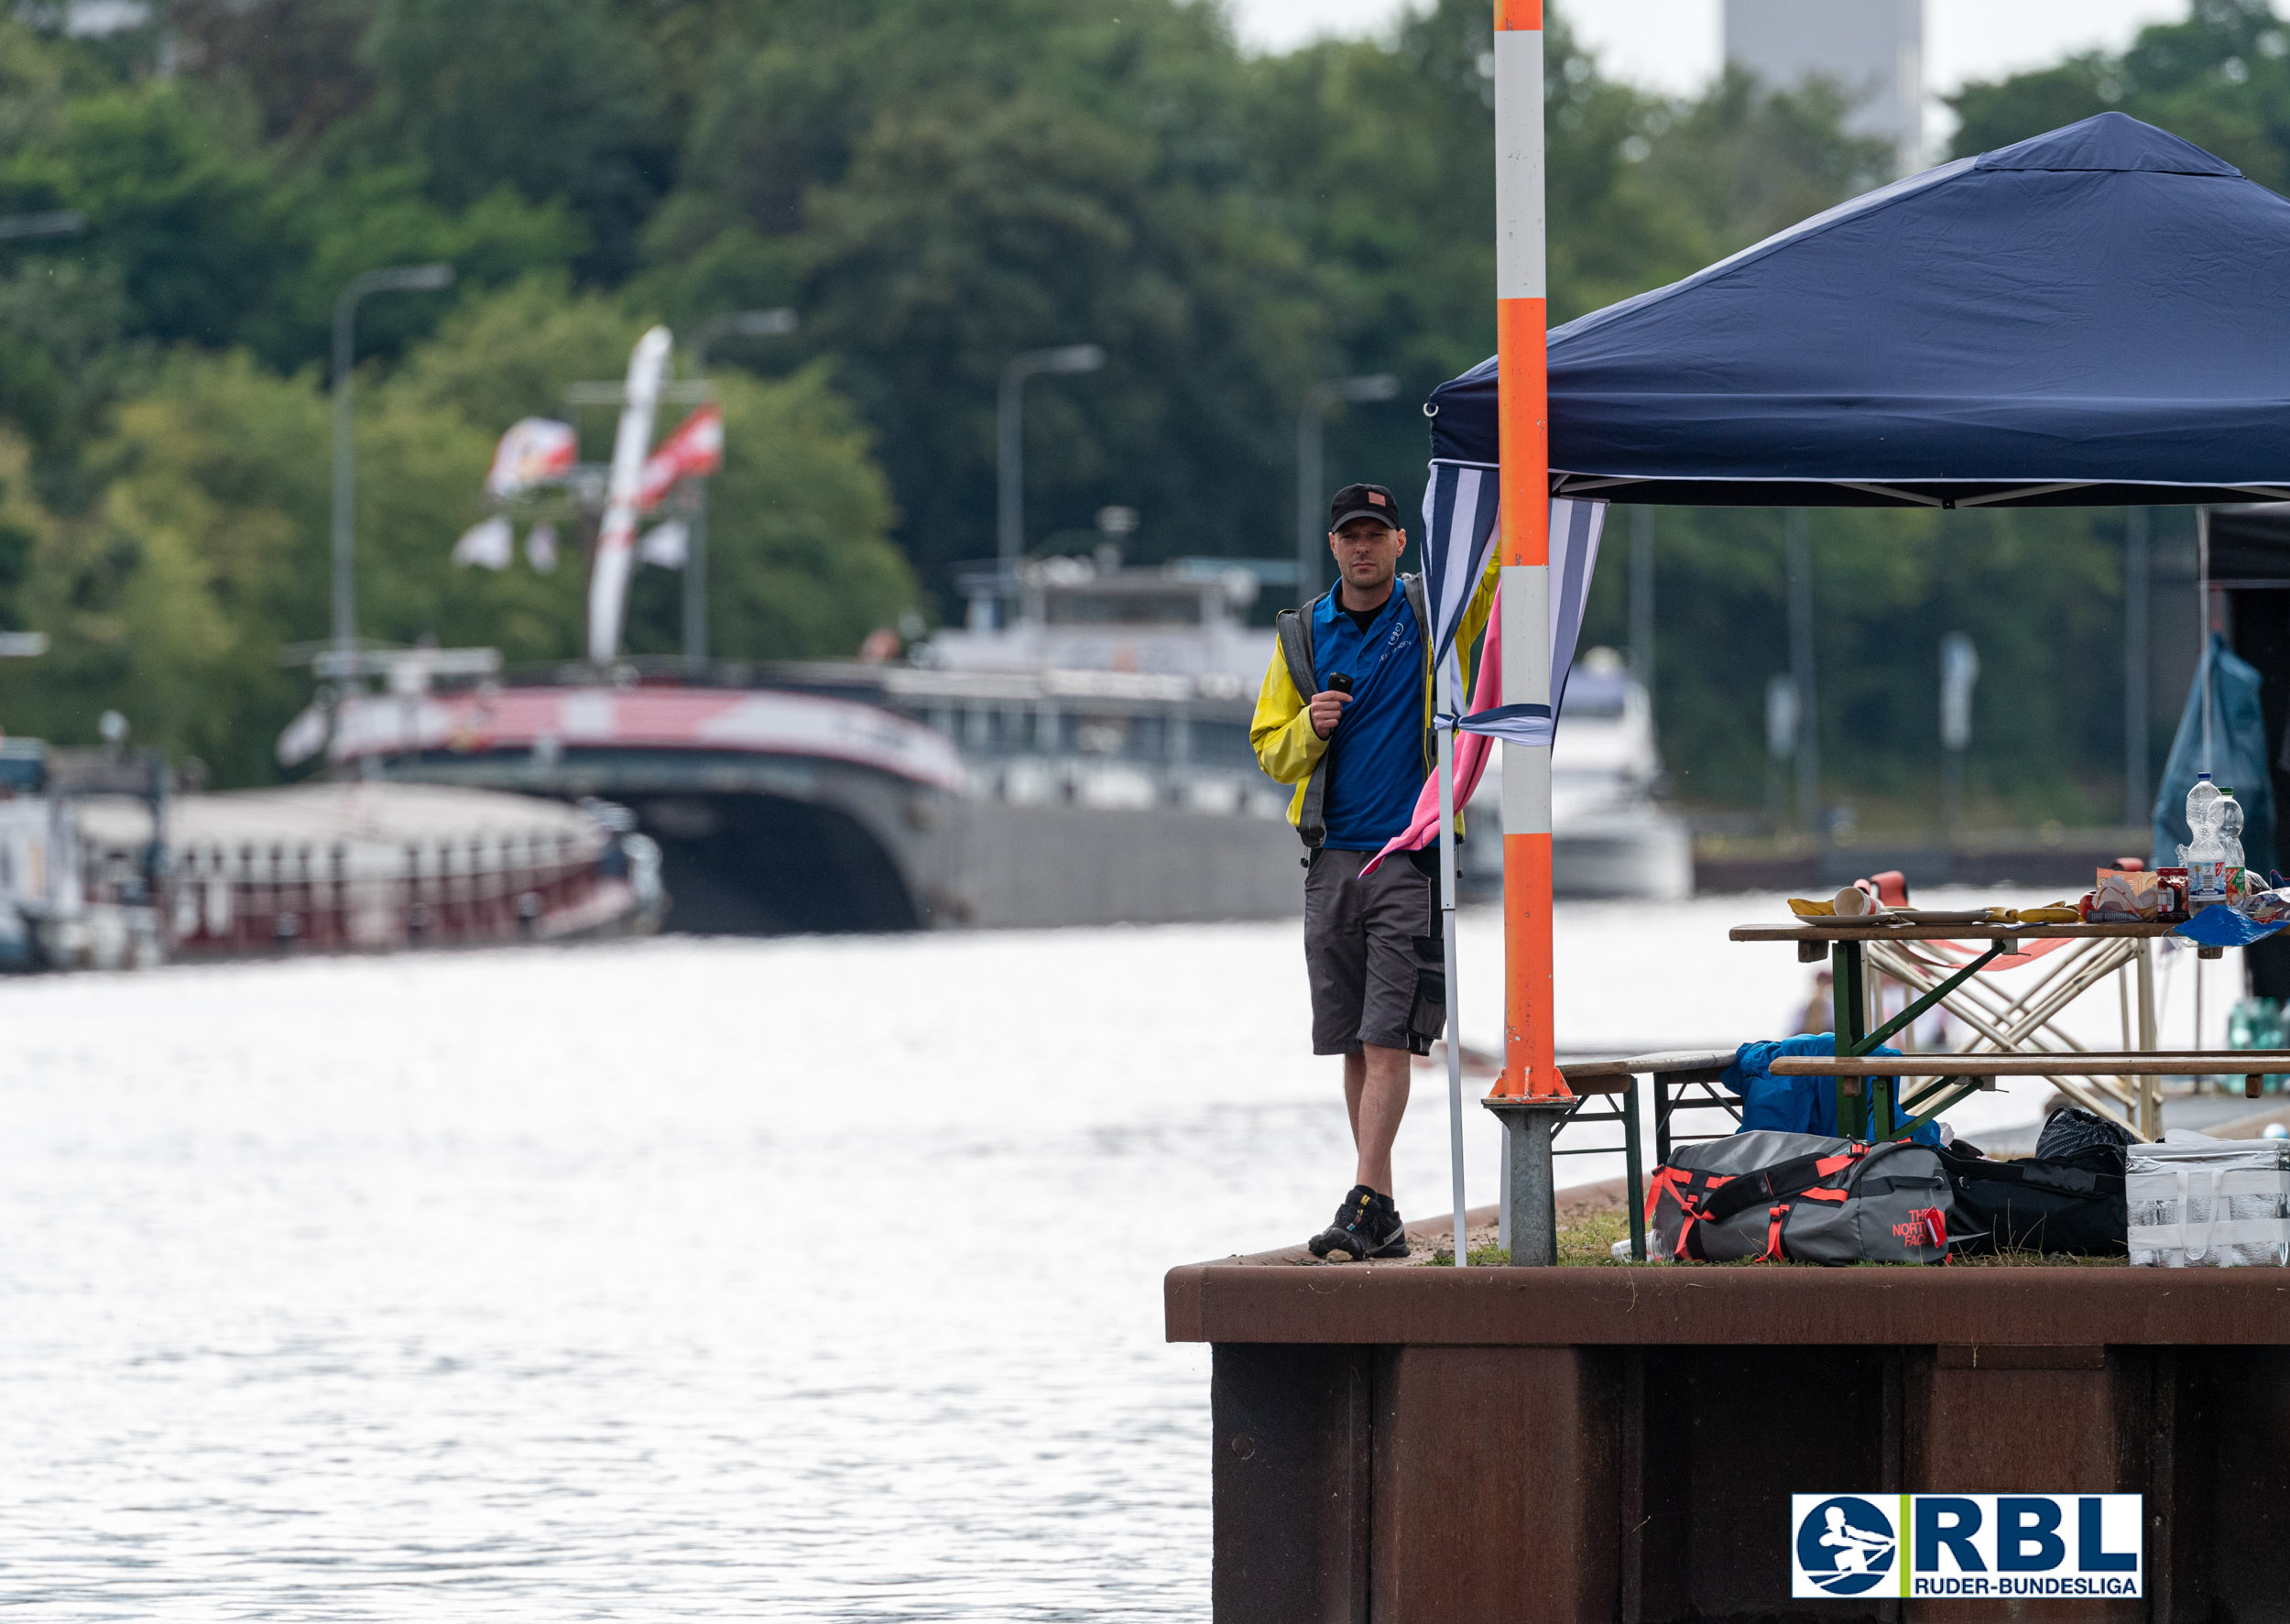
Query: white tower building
(1874, 48)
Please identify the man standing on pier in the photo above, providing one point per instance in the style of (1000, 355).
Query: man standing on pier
(1345, 713)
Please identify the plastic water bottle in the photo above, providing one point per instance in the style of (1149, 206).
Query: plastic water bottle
(2207, 867)
(2230, 829)
(2202, 803)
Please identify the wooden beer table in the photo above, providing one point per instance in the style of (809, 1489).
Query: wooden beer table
(2021, 1025)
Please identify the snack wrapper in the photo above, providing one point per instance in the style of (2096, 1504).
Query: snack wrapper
(2266, 907)
(2125, 896)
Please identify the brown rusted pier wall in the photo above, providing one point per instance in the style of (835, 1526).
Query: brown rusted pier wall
(1409, 1445)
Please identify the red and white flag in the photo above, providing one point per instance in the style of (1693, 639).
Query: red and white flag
(534, 451)
(696, 449)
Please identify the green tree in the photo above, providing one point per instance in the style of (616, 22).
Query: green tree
(169, 597)
(941, 188)
(2221, 79)
(936, 188)
(1747, 160)
(214, 238)
(206, 548)
(800, 560)
(554, 98)
(801, 564)
(298, 61)
(174, 192)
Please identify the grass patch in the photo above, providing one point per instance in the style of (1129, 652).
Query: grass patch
(2014, 1260)
(1588, 1243)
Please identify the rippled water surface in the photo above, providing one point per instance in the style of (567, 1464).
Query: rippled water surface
(802, 1278)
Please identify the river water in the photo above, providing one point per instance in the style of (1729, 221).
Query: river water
(806, 1279)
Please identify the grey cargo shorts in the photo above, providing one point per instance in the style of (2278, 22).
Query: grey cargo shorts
(1366, 952)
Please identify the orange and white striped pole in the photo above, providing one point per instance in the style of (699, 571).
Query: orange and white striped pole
(1530, 1050)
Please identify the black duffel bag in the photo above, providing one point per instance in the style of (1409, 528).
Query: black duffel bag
(2071, 1203)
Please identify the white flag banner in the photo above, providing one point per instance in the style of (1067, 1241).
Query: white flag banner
(667, 545)
(489, 544)
(615, 539)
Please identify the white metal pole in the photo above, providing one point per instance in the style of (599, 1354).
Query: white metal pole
(1447, 947)
(616, 544)
(2201, 1080)
(2150, 1090)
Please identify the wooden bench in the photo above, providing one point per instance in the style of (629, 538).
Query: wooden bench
(2078, 1063)
(1673, 1073)
(1976, 1071)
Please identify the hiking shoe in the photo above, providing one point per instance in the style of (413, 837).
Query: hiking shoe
(1366, 1225)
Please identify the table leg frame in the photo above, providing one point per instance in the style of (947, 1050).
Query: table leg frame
(2005, 1023)
(2150, 1088)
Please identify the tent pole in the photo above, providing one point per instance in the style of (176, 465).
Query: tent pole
(1642, 599)
(2137, 803)
(1449, 705)
(2202, 614)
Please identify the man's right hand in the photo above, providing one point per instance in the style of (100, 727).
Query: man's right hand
(1327, 710)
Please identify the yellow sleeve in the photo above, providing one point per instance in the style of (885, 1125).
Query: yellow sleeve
(1282, 733)
(1474, 616)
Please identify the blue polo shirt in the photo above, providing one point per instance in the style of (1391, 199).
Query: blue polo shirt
(1377, 769)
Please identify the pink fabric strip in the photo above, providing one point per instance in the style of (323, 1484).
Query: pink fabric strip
(1471, 750)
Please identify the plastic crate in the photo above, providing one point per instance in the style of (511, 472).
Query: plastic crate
(2200, 1202)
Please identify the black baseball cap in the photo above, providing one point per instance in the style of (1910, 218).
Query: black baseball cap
(1364, 501)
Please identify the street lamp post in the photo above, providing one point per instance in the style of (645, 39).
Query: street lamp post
(1959, 669)
(1311, 420)
(53, 223)
(1797, 548)
(1009, 439)
(773, 324)
(396, 280)
(2138, 805)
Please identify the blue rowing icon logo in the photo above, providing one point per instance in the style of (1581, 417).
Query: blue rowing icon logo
(1846, 1545)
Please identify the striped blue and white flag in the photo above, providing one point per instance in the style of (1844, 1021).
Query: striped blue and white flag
(1575, 531)
(1460, 507)
(1460, 520)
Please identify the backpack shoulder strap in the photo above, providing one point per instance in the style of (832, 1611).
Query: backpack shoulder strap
(1295, 626)
(1296, 634)
(1420, 602)
(1417, 601)
(1782, 1181)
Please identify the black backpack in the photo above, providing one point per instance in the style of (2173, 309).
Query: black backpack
(2071, 1203)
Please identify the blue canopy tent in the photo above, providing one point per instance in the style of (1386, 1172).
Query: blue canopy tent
(2099, 316)
(2095, 317)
